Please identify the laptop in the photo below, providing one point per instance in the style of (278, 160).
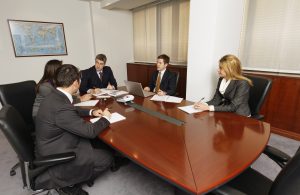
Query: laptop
(136, 88)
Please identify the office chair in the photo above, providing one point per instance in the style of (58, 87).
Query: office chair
(253, 183)
(21, 96)
(15, 130)
(258, 92)
(177, 79)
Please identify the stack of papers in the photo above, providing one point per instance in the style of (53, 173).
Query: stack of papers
(106, 93)
(87, 103)
(115, 117)
(189, 109)
(166, 98)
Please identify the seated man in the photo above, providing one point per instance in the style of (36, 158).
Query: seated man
(163, 81)
(60, 128)
(97, 76)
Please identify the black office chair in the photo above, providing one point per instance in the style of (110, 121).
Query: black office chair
(258, 92)
(15, 130)
(21, 96)
(177, 79)
(254, 183)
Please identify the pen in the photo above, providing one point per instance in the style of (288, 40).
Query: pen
(201, 99)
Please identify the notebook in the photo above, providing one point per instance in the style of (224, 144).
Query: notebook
(136, 88)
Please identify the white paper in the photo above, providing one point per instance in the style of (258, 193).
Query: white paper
(117, 93)
(87, 103)
(166, 98)
(173, 99)
(189, 109)
(102, 96)
(115, 117)
(158, 98)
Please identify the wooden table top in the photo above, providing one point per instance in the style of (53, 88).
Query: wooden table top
(208, 150)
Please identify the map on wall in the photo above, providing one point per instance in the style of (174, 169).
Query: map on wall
(31, 38)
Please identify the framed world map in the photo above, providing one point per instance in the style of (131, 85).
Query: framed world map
(32, 38)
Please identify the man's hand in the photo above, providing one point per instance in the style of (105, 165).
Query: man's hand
(106, 113)
(109, 86)
(85, 97)
(94, 91)
(161, 93)
(147, 88)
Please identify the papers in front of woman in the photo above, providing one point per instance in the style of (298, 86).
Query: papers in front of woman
(166, 98)
(189, 109)
(115, 117)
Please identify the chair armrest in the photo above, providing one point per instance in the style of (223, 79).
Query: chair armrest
(227, 190)
(258, 117)
(276, 155)
(54, 159)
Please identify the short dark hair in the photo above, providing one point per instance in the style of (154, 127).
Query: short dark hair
(165, 58)
(101, 57)
(66, 75)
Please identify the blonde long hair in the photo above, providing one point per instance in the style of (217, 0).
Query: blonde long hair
(232, 67)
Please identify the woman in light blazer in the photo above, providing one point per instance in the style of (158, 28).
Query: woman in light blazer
(232, 93)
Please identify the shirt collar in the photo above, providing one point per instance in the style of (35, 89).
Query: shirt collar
(69, 96)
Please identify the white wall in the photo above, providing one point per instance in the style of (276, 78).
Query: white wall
(214, 31)
(74, 14)
(113, 32)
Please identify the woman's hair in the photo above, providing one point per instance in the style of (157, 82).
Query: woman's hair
(232, 67)
(49, 73)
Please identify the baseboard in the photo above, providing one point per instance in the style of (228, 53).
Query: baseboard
(285, 133)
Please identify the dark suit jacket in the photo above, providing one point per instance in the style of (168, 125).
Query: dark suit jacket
(167, 83)
(90, 79)
(59, 129)
(235, 98)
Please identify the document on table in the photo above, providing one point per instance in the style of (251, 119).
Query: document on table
(166, 98)
(189, 109)
(115, 117)
(87, 103)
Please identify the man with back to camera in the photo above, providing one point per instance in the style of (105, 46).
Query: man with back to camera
(60, 129)
(97, 77)
(163, 81)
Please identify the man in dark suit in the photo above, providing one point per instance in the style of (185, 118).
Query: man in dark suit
(97, 76)
(163, 81)
(60, 128)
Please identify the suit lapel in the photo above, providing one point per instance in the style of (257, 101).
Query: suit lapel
(230, 87)
(164, 77)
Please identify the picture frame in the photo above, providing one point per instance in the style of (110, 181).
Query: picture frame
(35, 38)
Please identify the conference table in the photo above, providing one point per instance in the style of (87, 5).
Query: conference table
(205, 151)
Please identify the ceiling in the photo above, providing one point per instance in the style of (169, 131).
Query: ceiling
(121, 4)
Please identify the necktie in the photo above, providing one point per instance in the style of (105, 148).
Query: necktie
(157, 85)
(101, 75)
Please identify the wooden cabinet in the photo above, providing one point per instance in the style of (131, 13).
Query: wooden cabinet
(142, 73)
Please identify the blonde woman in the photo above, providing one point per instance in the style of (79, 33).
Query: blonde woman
(232, 93)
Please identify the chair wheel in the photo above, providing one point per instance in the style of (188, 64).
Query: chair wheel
(90, 183)
(12, 172)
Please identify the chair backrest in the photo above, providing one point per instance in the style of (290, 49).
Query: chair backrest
(288, 180)
(15, 130)
(177, 79)
(258, 92)
(21, 96)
